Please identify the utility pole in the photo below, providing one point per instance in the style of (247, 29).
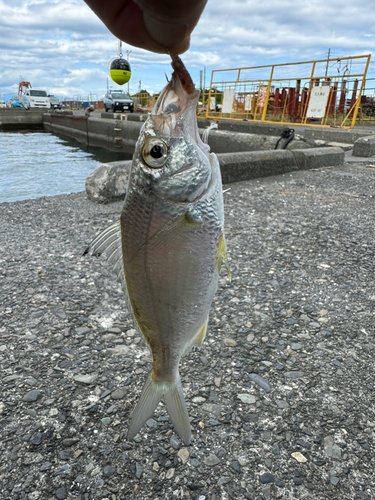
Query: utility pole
(127, 58)
(329, 53)
(204, 86)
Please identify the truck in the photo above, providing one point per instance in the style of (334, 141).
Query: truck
(37, 98)
(55, 103)
(117, 100)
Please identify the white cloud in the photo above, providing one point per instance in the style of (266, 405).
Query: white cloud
(62, 46)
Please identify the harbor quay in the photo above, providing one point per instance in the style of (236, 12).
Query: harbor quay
(281, 394)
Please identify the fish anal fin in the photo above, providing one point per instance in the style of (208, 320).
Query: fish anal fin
(222, 255)
(202, 333)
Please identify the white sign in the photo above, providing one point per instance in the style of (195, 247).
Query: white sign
(248, 102)
(318, 102)
(212, 104)
(228, 101)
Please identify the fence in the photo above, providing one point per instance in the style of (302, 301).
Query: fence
(314, 93)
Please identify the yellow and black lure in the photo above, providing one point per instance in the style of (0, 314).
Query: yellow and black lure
(119, 68)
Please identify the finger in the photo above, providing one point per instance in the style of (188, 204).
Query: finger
(170, 22)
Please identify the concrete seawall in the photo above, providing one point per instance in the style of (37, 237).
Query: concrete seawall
(111, 134)
(21, 119)
(108, 182)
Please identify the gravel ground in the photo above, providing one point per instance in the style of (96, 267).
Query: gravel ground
(281, 395)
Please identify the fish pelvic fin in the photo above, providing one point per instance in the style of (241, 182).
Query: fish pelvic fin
(222, 255)
(175, 402)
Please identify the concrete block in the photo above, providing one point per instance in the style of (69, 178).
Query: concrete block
(318, 157)
(108, 182)
(237, 167)
(335, 134)
(365, 146)
(224, 141)
(251, 127)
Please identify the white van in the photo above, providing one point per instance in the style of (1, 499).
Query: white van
(2, 104)
(37, 98)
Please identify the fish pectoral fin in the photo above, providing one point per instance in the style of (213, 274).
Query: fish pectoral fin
(222, 255)
(108, 243)
(171, 232)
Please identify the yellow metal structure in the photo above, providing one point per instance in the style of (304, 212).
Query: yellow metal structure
(314, 93)
(144, 101)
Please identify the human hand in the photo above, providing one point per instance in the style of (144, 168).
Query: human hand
(156, 25)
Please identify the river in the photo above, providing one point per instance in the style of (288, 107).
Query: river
(35, 164)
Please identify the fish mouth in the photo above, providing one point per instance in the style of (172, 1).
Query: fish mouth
(175, 112)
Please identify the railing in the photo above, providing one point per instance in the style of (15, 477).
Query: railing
(313, 93)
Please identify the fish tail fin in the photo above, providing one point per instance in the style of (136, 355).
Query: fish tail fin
(150, 397)
(175, 402)
(176, 407)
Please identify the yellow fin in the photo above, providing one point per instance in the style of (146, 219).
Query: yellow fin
(201, 335)
(222, 255)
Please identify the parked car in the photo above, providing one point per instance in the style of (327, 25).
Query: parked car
(55, 103)
(3, 104)
(37, 98)
(117, 100)
(15, 102)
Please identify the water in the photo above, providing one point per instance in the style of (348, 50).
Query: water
(41, 164)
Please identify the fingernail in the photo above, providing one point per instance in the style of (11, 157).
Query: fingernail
(166, 34)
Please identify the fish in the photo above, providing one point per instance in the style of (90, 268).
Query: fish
(168, 246)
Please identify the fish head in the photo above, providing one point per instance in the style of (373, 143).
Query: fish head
(170, 160)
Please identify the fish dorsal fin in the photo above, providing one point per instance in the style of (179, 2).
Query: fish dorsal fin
(108, 243)
(223, 256)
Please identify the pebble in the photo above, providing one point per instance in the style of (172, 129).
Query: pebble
(119, 393)
(211, 460)
(294, 374)
(260, 381)
(69, 442)
(296, 347)
(86, 379)
(138, 470)
(299, 457)
(183, 454)
(119, 350)
(331, 449)
(108, 471)
(198, 399)
(32, 396)
(224, 480)
(229, 342)
(266, 478)
(61, 493)
(170, 473)
(250, 337)
(247, 398)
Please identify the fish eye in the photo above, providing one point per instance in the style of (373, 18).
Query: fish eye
(155, 153)
(172, 108)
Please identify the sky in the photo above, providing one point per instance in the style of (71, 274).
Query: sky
(61, 45)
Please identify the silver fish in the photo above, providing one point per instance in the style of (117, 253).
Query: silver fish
(168, 246)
